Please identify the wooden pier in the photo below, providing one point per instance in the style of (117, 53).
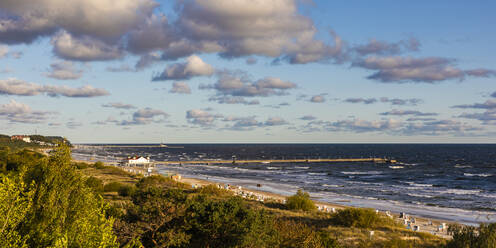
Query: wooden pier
(278, 161)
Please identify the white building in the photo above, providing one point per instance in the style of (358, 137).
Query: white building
(137, 160)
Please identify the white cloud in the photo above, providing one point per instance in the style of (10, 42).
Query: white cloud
(16, 112)
(193, 67)
(12, 86)
(64, 70)
(238, 84)
(103, 19)
(318, 99)
(83, 48)
(118, 105)
(180, 88)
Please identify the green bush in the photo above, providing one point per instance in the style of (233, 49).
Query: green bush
(483, 236)
(95, 184)
(212, 189)
(358, 217)
(99, 165)
(300, 201)
(81, 165)
(126, 190)
(112, 187)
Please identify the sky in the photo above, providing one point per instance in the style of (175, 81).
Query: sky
(249, 71)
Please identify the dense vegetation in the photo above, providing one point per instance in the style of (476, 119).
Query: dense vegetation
(37, 141)
(51, 202)
(44, 202)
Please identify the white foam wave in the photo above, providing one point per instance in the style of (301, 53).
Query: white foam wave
(317, 173)
(461, 191)
(477, 175)
(361, 172)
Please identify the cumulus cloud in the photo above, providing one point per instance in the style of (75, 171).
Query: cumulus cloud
(120, 68)
(481, 72)
(118, 105)
(308, 118)
(18, 87)
(489, 104)
(384, 48)
(392, 101)
(16, 112)
(180, 88)
(83, 48)
(397, 112)
(202, 117)
(361, 100)
(233, 100)
(240, 28)
(64, 70)
(250, 123)
(407, 69)
(193, 67)
(145, 116)
(318, 99)
(104, 19)
(238, 84)
(275, 121)
(487, 117)
(438, 127)
(397, 101)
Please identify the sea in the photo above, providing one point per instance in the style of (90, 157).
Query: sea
(454, 182)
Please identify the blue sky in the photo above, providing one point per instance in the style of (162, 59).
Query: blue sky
(249, 71)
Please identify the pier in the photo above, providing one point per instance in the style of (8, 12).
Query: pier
(277, 161)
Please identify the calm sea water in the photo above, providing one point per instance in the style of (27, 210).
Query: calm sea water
(455, 182)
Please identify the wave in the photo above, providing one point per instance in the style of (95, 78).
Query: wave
(477, 175)
(301, 167)
(396, 167)
(361, 172)
(273, 168)
(418, 184)
(461, 191)
(317, 173)
(419, 195)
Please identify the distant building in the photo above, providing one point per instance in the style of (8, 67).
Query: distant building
(24, 138)
(136, 161)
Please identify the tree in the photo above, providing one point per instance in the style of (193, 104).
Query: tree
(16, 199)
(59, 209)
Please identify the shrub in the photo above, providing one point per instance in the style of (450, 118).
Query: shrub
(212, 189)
(300, 201)
(112, 187)
(126, 190)
(95, 184)
(357, 217)
(81, 165)
(160, 181)
(99, 165)
(483, 236)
